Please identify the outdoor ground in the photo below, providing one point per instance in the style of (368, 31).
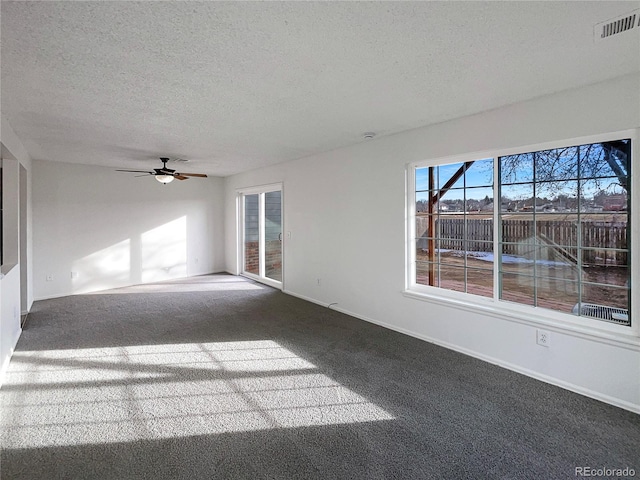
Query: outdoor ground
(553, 292)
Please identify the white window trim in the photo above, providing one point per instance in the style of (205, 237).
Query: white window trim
(259, 189)
(595, 329)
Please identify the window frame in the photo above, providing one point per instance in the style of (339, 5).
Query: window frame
(536, 316)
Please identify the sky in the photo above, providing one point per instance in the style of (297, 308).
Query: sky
(479, 177)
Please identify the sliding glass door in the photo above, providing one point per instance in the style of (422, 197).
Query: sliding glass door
(261, 221)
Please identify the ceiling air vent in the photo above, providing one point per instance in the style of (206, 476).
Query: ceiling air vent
(617, 25)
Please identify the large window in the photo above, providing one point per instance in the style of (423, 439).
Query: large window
(548, 229)
(454, 226)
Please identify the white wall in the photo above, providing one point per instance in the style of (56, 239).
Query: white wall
(112, 229)
(14, 153)
(345, 210)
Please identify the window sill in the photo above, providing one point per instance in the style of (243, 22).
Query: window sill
(534, 318)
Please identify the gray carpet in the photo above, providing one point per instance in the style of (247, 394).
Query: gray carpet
(221, 377)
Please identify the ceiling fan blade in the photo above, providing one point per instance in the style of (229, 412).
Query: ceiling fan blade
(193, 174)
(136, 171)
(146, 175)
(180, 177)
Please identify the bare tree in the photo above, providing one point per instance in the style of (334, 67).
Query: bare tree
(594, 161)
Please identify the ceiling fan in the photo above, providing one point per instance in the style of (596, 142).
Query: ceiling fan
(164, 174)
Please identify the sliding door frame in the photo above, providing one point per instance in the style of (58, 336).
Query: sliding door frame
(260, 190)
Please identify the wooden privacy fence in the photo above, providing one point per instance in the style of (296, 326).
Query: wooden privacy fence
(479, 234)
(602, 243)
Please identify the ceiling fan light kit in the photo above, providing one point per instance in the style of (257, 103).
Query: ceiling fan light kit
(164, 178)
(166, 175)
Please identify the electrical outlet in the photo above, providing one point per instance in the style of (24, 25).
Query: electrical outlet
(543, 338)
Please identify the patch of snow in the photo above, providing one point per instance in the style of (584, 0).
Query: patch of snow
(489, 257)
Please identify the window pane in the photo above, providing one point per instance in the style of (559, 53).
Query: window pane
(451, 227)
(556, 164)
(604, 231)
(251, 234)
(607, 159)
(479, 200)
(557, 294)
(557, 262)
(450, 205)
(479, 229)
(451, 252)
(426, 225)
(422, 179)
(556, 197)
(423, 271)
(615, 272)
(518, 228)
(273, 235)
(422, 226)
(518, 257)
(422, 202)
(606, 258)
(564, 270)
(517, 288)
(516, 168)
(422, 248)
(479, 254)
(558, 230)
(447, 172)
(480, 282)
(603, 195)
(516, 198)
(480, 174)
(609, 260)
(452, 277)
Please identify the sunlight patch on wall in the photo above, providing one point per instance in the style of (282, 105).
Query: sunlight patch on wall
(164, 251)
(103, 269)
(102, 395)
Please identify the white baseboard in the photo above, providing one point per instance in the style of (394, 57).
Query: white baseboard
(49, 297)
(60, 295)
(495, 361)
(313, 300)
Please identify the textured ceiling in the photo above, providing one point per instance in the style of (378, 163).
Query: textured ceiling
(239, 85)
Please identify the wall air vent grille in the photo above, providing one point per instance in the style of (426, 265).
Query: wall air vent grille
(617, 25)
